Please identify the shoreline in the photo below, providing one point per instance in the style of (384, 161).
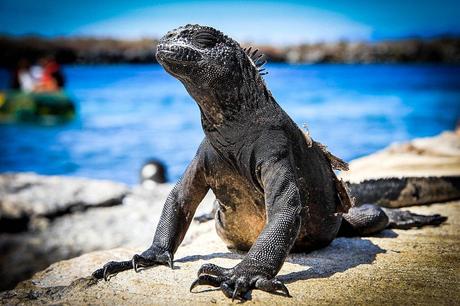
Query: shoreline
(68, 50)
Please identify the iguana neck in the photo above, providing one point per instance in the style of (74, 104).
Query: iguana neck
(227, 111)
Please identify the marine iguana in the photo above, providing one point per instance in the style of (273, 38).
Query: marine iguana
(276, 188)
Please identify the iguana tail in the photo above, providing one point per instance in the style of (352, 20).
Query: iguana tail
(390, 192)
(407, 191)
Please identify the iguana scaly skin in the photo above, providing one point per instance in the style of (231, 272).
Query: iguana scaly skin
(276, 188)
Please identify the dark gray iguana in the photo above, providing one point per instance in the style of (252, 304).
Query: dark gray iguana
(276, 189)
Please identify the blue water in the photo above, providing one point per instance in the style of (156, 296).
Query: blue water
(130, 113)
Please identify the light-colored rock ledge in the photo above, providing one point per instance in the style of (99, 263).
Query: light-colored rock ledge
(435, 156)
(418, 266)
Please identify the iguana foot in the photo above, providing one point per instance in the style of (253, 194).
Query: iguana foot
(152, 256)
(402, 219)
(236, 282)
(363, 220)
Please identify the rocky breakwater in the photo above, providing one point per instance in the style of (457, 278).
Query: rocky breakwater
(45, 219)
(92, 50)
(419, 266)
(35, 214)
(27, 199)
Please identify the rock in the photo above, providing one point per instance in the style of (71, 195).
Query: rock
(46, 211)
(418, 266)
(130, 225)
(430, 156)
(87, 50)
(31, 195)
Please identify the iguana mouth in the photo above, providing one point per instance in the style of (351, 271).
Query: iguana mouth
(177, 53)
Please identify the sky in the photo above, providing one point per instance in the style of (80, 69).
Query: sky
(270, 22)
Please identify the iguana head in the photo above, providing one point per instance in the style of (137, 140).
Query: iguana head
(208, 63)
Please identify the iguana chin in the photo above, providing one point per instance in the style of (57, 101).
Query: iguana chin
(276, 189)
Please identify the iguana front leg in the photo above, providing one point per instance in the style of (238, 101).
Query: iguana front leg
(175, 219)
(266, 257)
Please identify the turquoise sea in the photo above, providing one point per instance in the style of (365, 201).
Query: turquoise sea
(130, 113)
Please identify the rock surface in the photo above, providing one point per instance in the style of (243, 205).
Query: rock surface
(32, 195)
(436, 156)
(130, 224)
(398, 267)
(47, 212)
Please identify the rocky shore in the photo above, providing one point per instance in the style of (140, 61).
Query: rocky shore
(45, 219)
(419, 266)
(88, 50)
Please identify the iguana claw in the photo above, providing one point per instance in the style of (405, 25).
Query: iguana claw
(105, 274)
(272, 285)
(146, 259)
(110, 268)
(236, 283)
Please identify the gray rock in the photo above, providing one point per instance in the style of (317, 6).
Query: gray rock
(131, 224)
(32, 195)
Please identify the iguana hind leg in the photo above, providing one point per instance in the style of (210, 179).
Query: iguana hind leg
(363, 220)
(369, 219)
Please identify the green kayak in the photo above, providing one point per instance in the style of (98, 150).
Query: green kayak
(42, 108)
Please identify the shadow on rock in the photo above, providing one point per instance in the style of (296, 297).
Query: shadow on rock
(227, 255)
(388, 233)
(342, 254)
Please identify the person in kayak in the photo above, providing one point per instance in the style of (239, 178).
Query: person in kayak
(52, 78)
(22, 78)
(46, 76)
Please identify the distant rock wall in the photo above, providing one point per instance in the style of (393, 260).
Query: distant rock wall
(397, 51)
(87, 50)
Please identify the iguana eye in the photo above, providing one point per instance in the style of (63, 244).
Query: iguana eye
(205, 40)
